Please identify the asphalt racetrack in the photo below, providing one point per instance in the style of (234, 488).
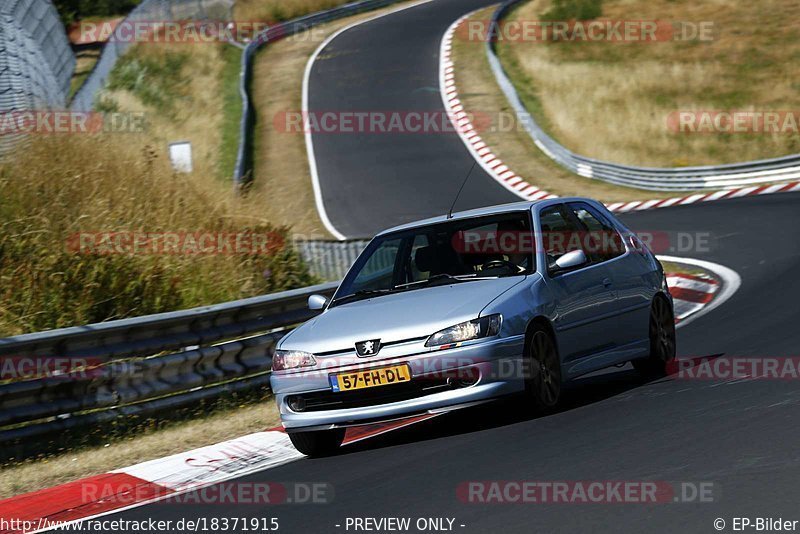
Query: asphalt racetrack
(741, 436)
(371, 180)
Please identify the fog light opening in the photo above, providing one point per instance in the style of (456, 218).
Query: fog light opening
(464, 378)
(296, 404)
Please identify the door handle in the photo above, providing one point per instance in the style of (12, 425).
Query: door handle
(607, 282)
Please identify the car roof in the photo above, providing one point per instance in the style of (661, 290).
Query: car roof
(478, 212)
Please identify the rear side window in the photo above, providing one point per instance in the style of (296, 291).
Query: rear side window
(600, 240)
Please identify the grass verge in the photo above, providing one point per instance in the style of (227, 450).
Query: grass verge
(680, 268)
(58, 187)
(612, 100)
(85, 60)
(482, 97)
(232, 104)
(113, 447)
(281, 175)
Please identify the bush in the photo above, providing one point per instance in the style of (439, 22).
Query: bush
(72, 10)
(574, 10)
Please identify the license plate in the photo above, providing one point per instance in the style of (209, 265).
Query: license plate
(370, 378)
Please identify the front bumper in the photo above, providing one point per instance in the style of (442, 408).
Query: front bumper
(494, 368)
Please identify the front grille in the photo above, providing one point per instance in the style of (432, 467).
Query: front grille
(328, 400)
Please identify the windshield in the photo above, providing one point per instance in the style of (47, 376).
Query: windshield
(443, 253)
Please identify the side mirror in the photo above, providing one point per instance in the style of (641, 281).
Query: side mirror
(317, 302)
(570, 260)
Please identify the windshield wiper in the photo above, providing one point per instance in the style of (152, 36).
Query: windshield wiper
(437, 277)
(363, 293)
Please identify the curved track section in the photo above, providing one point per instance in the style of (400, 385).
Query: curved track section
(370, 181)
(740, 435)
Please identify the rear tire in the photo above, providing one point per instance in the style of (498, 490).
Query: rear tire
(662, 340)
(318, 442)
(543, 371)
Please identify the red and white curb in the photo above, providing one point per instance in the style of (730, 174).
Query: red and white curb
(515, 183)
(482, 153)
(165, 478)
(694, 295)
(624, 207)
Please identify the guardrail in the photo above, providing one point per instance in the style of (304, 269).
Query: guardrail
(330, 260)
(244, 157)
(144, 365)
(650, 178)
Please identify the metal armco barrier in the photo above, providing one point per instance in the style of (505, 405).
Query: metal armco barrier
(244, 157)
(330, 260)
(147, 364)
(650, 178)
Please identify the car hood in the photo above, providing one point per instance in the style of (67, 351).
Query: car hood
(401, 316)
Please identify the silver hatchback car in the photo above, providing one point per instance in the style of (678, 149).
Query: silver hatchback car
(457, 310)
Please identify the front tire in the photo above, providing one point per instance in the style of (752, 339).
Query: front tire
(318, 442)
(543, 378)
(662, 341)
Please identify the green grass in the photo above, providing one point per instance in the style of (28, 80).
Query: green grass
(157, 79)
(232, 103)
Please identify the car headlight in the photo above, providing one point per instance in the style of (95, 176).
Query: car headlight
(466, 331)
(291, 359)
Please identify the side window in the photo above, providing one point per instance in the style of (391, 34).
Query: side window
(601, 242)
(558, 233)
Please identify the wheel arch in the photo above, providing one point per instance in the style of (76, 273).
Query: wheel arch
(543, 322)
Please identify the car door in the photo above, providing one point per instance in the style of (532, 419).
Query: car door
(584, 298)
(626, 270)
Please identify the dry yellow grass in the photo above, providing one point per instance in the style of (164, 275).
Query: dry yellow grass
(56, 187)
(281, 177)
(180, 437)
(611, 101)
(198, 112)
(480, 95)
